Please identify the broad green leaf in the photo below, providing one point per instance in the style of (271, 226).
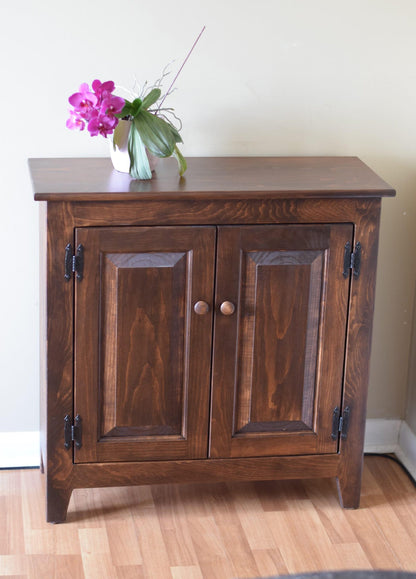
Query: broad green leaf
(178, 138)
(139, 163)
(151, 98)
(156, 134)
(181, 161)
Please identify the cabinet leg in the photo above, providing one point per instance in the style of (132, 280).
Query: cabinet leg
(349, 490)
(57, 501)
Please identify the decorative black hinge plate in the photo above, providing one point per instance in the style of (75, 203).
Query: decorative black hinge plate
(340, 423)
(74, 264)
(72, 432)
(352, 260)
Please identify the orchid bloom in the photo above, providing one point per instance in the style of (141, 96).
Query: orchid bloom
(112, 105)
(102, 125)
(97, 108)
(75, 122)
(102, 89)
(83, 101)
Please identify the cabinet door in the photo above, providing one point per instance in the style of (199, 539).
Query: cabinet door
(278, 359)
(142, 354)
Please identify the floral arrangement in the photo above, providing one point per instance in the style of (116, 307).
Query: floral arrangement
(100, 111)
(150, 129)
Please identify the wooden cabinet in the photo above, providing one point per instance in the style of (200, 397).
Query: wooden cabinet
(211, 327)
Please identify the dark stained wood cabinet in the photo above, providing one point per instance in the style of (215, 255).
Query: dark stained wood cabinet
(209, 327)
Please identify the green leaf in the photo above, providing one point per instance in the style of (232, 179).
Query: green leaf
(118, 135)
(181, 161)
(178, 138)
(125, 111)
(139, 163)
(136, 106)
(157, 134)
(151, 98)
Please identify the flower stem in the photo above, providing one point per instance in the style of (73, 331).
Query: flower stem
(180, 70)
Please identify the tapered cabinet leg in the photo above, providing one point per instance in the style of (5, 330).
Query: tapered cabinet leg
(349, 495)
(349, 484)
(57, 501)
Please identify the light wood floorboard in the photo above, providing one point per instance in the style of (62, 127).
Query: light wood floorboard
(213, 531)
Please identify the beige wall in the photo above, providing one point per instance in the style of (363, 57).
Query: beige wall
(393, 319)
(270, 77)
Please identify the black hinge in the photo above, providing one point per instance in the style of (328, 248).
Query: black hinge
(340, 423)
(73, 432)
(352, 260)
(74, 263)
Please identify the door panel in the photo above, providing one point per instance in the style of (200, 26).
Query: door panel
(142, 355)
(280, 324)
(278, 360)
(144, 342)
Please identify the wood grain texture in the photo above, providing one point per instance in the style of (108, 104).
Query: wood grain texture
(147, 394)
(57, 339)
(221, 530)
(216, 212)
(204, 470)
(209, 177)
(358, 351)
(280, 305)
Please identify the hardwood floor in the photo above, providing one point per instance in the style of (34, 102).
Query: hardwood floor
(208, 531)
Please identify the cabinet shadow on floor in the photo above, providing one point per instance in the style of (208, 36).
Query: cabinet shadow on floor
(199, 499)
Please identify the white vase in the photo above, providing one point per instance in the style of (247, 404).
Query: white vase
(119, 153)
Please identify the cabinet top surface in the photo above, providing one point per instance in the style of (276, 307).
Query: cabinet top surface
(94, 179)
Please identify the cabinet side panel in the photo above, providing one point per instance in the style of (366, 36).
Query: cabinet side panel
(43, 330)
(59, 359)
(358, 355)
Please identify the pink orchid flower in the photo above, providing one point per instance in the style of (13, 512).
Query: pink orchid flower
(111, 105)
(102, 89)
(102, 125)
(97, 108)
(75, 122)
(83, 101)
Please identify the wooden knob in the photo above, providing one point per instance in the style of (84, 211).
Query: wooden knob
(227, 308)
(201, 308)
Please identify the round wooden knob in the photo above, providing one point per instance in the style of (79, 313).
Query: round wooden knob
(201, 308)
(227, 308)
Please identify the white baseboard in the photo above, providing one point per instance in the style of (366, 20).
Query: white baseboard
(381, 435)
(19, 449)
(406, 451)
(392, 436)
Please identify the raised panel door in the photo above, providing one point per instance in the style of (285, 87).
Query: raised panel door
(142, 354)
(279, 357)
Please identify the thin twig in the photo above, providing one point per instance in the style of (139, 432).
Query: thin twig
(183, 64)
